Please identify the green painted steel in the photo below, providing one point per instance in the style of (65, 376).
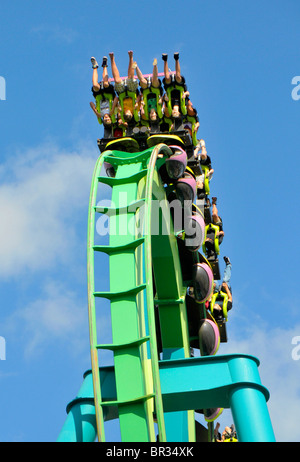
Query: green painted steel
(133, 254)
(91, 302)
(145, 280)
(163, 257)
(135, 373)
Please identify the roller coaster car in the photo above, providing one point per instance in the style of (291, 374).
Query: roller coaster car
(222, 298)
(180, 137)
(211, 252)
(195, 166)
(187, 260)
(205, 170)
(152, 95)
(209, 337)
(179, 90)
(202, 281)
(121, 144)
(165, 138)
(221, 323)
(131, 97)
(206, 210)
(204, 332)
(195, 313)
(186, 189)
(214, 263)
(176, 163)
(194, 231)
(211, 248)
(101, 96)
(223, 331)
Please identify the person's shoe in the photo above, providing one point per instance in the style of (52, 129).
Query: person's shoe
(164, 57)
(176, 56)
(214, 200)
(94, 63)
(104, 61)
(227, 260)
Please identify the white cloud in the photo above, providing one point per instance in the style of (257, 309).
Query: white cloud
(278, 371)
(56, 318)
(44, 193)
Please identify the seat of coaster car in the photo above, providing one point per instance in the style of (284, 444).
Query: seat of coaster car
(214, 263)
(182, 137)
(195, 313)
(119, 144)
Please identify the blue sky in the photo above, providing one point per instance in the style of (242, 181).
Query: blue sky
(239, 59)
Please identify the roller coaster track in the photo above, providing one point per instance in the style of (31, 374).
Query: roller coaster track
(153, 374)
(132, 258)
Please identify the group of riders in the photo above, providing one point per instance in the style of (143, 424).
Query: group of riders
(127, 106)
(146, 105)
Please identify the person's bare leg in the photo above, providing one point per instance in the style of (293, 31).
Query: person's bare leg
(114, 69)
(215, 215)
(130, 65)
(143, 81)
(105, 72)
(166, 68)
(95, 77)
(177, 68)
(155, 81)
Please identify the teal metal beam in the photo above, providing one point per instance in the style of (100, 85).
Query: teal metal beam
(228, 381)
(80, 425)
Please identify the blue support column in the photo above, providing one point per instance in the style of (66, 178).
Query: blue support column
(176, 423)
(248, 403)
(251, 416)
(80, 425)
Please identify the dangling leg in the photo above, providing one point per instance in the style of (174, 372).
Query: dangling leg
(166, 68)
(105, 72)
(178, 77)
(155, 81)
(143, 81)
(215, 215)
(95, 77)
(130, 65)
(227, 271)
(114, 69)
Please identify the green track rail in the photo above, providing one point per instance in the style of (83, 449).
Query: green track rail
(135, 255)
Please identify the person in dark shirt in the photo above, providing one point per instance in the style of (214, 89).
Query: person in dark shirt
(212, 234)
(107, 102)
(176, 92)
(151, 103)
(224, 286)
(200, 154)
